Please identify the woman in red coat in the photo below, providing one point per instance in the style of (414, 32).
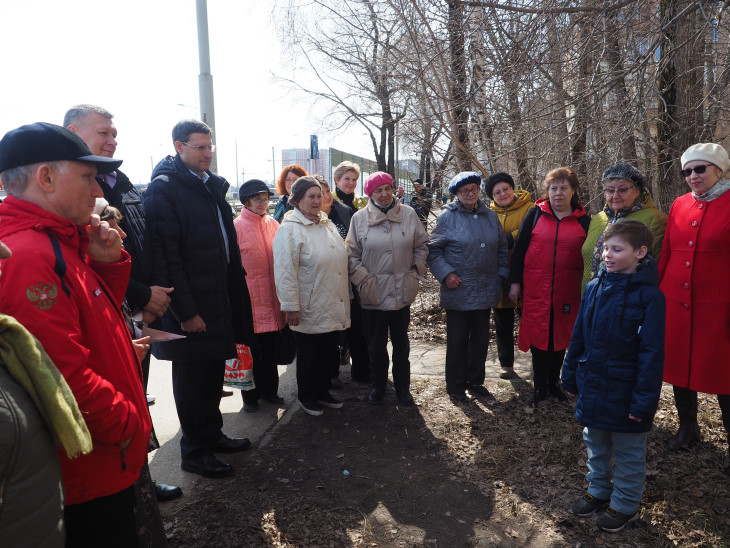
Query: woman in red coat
(693, 274)
(546, 271)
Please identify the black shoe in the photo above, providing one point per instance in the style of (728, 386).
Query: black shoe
(484, 393)
(250, 407)
(275, 399)
(165, 493)
(230, 445)
(458, 397)
(612, 521)
(376, 395)
(404, 397)
(688, 433)
(539, 395)
(225, 392)
(335, 383)
(312, 407)
(329, 401)
(557, 392)
(207, 466)
(587, 505)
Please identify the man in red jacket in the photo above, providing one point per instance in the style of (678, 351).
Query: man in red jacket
(65, 283)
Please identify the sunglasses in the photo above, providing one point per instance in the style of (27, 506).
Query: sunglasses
(699, 170)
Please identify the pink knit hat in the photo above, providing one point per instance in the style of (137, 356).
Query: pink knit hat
(379, 178)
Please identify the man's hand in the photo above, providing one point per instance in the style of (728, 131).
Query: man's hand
(105, 244)
(193, 325)
(293, 318)
(452, 281)
(514, 292)
(148, 317)
(141, 347)
(159, 300)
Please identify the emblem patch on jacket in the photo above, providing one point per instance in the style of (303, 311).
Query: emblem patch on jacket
(43, 296)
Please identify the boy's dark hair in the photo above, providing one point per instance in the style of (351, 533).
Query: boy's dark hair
(636, 233)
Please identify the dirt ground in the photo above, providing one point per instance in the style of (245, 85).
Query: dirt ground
(443, 475)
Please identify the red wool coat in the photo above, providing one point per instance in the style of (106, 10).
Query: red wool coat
(255, 236)
(693, 273)
(547, 261)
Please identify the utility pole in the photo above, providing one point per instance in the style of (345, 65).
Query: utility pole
(205, 78)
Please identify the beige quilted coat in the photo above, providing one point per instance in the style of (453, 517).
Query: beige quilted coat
(387, 254)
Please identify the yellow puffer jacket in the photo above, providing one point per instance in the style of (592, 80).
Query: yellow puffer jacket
(511, 219)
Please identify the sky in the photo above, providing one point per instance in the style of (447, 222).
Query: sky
(139, 60)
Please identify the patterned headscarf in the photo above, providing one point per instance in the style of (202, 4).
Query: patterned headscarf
(639, 203)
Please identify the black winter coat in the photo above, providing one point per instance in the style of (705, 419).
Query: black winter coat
(189, 255)
(127, 200)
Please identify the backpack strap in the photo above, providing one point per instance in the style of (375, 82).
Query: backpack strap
(60, 266)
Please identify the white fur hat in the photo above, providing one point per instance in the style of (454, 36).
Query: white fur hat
(709, 152)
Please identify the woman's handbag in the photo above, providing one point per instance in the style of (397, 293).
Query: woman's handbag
(239, 370)
(286, 350)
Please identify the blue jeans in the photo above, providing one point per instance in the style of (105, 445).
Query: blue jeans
(624, 485)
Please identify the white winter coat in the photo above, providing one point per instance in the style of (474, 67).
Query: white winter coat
(387, 255)
(310, 270)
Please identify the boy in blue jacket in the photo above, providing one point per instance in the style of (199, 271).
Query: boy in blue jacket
(614, 364)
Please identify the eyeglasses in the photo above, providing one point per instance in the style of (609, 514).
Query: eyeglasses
(200, 147)
(469, 191)
(620, 191)
(499, 192)
(259, 199)
(699, 170)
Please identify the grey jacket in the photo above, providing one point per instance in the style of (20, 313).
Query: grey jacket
(387, 254)
(472, 245)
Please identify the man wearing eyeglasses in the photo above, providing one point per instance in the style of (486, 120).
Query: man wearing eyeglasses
(195, 251)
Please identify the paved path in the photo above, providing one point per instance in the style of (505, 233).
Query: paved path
(426, 360)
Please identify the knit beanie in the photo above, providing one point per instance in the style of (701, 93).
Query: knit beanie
(300, 187)
(709, 152)
(376, 179)
(627, 172)
(464, 178)
(499, 177)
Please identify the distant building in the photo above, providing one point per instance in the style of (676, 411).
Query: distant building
(320, 166)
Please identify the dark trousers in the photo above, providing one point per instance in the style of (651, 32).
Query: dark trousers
(314, 363)
(357, 340)
(504, 328)
(146, 370)
(686, 402)
(105, 521)
(379, 323)
(265, 369)
(467, 343)
(197, 388)
(546, 365)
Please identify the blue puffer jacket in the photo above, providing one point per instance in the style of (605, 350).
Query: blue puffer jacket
(616, 355)
(472, 245)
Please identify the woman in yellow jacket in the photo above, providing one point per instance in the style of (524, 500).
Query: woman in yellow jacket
(511, 207)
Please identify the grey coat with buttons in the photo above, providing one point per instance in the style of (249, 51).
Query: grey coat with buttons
(474, 247)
